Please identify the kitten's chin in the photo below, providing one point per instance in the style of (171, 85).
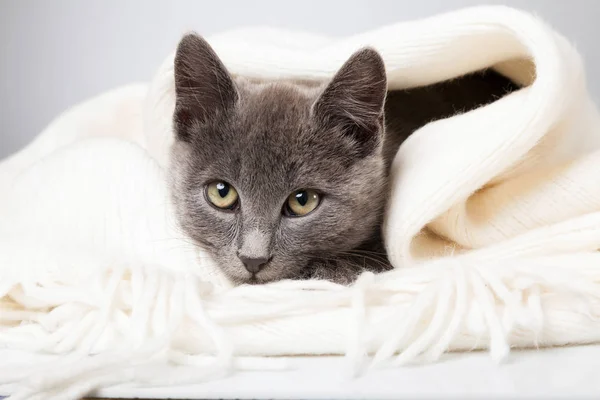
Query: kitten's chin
(252, 280)
(240, 279)
(261, 278)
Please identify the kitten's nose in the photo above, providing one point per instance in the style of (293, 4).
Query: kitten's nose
(254, 264)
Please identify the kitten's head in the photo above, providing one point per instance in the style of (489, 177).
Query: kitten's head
(269, 176)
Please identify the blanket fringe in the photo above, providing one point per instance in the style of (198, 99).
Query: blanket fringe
(174, 323)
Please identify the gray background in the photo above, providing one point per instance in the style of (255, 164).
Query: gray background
(58, 52)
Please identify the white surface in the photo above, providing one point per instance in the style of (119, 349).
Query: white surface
(558, 372)
(545, 373)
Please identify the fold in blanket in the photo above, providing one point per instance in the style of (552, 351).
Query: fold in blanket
(493, 225)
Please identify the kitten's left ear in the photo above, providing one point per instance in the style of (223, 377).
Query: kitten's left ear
(203, 87)
(354, 99)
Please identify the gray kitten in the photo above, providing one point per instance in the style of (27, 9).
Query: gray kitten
(288, 180)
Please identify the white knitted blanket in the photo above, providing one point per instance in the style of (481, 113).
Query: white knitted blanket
(99, 287)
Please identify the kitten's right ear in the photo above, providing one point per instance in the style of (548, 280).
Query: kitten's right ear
(203, 87)
(353, 101)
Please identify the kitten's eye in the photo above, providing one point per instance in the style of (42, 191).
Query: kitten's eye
(222, 195)
(301, 202)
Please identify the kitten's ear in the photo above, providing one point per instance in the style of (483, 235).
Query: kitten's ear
(354, 99)
(203, 87)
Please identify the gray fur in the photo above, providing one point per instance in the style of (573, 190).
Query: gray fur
(268, 139)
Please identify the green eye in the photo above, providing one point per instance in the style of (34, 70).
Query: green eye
(222, 195)
(301, 202)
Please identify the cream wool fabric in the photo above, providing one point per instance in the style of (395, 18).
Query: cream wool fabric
(493, 225)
